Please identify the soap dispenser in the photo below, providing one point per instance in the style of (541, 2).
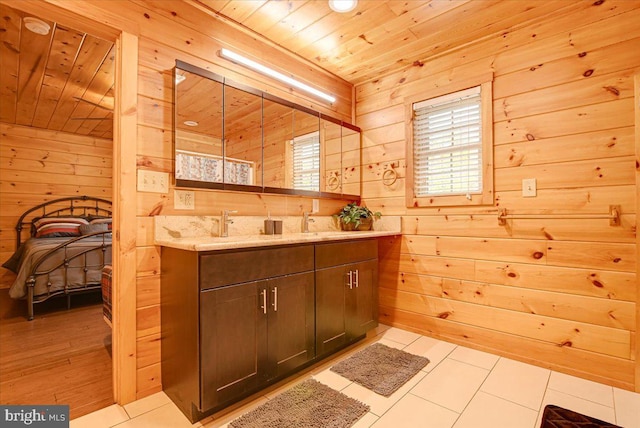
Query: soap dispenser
(268, 225)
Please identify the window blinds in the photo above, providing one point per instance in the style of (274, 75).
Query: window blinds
(447, 145)
(306, 162)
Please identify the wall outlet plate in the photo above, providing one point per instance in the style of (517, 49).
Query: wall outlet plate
(529, 189)
(315, 206)
(153, 181)
(184, 200)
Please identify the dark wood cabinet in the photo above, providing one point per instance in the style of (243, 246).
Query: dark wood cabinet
(236, 321)
(233, 352)
(346, 293)
(254, 332)
(362, 299)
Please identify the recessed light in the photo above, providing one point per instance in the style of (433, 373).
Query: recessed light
(36, 25)
(342, 6)
(190, 123)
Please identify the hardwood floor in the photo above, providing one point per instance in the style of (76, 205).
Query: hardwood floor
(61, 357)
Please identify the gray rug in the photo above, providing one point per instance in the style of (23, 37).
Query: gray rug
(380, 368)
(309, 404)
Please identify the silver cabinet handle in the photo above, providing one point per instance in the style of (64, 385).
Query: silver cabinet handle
(275, 299)
(264, 300)
(357, 278)
(350, 275)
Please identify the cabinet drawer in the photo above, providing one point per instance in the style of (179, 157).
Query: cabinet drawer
(234, 267)
(340, 253)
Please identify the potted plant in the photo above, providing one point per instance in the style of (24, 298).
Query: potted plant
(356, 217)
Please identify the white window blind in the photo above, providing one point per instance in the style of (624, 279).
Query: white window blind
(447, 145)
(306, 162)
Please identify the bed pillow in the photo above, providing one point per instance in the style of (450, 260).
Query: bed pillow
(87, 229)
(106, 220)
(56, 227)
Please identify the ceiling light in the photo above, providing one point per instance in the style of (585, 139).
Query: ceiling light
(239, 59)
(36, 25)
(342, 6)
(180, 78)
(190, 123)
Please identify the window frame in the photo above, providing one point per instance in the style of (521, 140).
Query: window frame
(486, 197)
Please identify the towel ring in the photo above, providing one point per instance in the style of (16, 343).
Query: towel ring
(389, 177)
(333, 182)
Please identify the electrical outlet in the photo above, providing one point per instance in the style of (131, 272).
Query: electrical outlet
(529, 188)
(315, 206)
(184, 200)
(153, 181)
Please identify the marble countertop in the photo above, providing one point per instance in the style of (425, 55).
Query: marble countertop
(201, 233)
(248, 241)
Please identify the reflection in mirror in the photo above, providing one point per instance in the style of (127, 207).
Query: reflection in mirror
(198, 127)
(278, 133)
(350, 161)
(330, 136)
(230, 136)
(242, 137)
(305, 152)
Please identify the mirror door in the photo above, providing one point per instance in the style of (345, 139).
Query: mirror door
(331, 139)
(243, 157)
(198, 128)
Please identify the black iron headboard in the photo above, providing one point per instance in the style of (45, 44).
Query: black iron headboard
(79, 206)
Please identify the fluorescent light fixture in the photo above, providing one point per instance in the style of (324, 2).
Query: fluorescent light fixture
(232, 56)
(342, 6)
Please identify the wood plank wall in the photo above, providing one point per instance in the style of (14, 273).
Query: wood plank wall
(37, 166)
(553, 292)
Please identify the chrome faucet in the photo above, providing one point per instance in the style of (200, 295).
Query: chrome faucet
(225, 222)
(305, 222)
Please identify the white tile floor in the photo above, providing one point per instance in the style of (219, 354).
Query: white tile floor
(460, 388)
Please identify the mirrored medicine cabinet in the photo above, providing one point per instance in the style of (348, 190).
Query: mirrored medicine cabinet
(233, 137)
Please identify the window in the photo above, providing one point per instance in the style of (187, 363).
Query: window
(306, 162)
(450, 148)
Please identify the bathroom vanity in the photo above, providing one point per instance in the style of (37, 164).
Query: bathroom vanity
(239, 316)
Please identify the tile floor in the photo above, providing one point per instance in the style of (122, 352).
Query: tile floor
(460, 388)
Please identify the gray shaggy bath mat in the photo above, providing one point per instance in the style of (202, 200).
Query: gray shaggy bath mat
(309, 404)
(380, 368)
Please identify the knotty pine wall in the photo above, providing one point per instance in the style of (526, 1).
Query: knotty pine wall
(37, 166)
(559, 293)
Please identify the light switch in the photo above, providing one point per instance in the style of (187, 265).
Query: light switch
(184, 200)
(153, 181)
(315, 206)
(529, 188)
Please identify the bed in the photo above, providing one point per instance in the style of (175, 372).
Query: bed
(62, 247)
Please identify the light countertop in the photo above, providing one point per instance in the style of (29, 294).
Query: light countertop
(248, 241)
(201, 233)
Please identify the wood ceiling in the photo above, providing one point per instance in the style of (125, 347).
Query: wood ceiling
(380, 37)
(62, 81)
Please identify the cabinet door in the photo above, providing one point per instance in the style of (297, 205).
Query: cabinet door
(362, 298)
(291, 320)
(330, 309)
(233, 341)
